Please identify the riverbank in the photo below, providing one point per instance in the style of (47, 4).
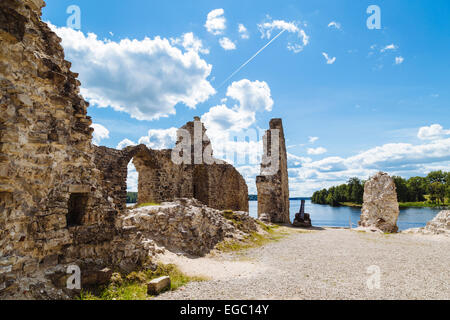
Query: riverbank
(403, 205)
(323, 264)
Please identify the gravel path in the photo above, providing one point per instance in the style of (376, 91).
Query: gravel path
(325, 264)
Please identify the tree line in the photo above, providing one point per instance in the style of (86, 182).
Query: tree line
(436, 185)
(132, 197)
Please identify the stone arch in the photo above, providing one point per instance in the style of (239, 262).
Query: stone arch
(114, 166)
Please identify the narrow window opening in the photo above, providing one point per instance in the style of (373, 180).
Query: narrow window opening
(77, 209)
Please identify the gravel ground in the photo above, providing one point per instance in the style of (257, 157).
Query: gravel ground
(326, 264)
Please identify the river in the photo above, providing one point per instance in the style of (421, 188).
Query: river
(327, 216)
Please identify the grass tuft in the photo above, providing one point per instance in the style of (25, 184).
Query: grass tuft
(133, 286)
(147, 204)
(253, 240)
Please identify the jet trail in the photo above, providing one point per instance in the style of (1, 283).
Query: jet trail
(253, 57)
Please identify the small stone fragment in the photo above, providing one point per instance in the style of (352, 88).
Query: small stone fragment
(156, 286)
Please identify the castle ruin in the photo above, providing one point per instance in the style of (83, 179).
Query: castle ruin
(273, 184)
(61, 196)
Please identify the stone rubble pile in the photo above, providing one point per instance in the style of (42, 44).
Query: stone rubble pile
(440, 225)
(187, 226)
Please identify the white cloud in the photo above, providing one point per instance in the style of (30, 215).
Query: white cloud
(100, 133)
(296, 161)
(160, 138)
(334, 24)
(313, 139)
(224, 123)
(329, 60)
(243, 32)
(252, 95)
(267, 29)
(433, 132)
(403, 159)
(227, 44)
(399, 60)
(316, 151)
(125, 143)
(132, 178)
(216, 22)
(145, 78)
(190, 43)
(391, 47)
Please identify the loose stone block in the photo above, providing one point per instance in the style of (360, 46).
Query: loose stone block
(156, 286)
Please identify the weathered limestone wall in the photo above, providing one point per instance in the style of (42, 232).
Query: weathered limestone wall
(60, 196)
(187, 225)
(227, 189)
(48, 179)
(218, 185)
(161, 180)
(273, 183)
(380, 209)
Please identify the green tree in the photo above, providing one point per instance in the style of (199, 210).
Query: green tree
(437, 192)
(355, 190)
(402, 189)
(417, 187)
(331, 200)
(437, 176)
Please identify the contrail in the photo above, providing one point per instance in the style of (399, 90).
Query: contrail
(253, 57)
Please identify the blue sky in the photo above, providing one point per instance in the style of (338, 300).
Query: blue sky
(382, 101)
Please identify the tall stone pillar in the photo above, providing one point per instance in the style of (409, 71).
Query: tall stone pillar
(273, 183)
(380, 209)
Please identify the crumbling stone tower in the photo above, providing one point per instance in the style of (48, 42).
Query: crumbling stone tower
(273, 183)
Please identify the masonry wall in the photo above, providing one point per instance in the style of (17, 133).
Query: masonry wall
(273, 183)
(60, 196)
(217, 185)
(46, 158)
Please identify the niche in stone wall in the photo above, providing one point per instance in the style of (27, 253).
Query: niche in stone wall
(201, 184)
(77, 209)
(5, 200)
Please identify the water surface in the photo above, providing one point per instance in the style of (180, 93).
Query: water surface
(327, 216)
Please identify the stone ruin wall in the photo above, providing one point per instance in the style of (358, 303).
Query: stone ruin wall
(52, 205)
(273, 187)
(219, 186)
(57, 203)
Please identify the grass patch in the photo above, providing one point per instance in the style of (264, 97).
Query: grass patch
(253, 240)
(233, 218)
(351, 204)
(271, 229)
(147, 204)
(134, 285)
(424, 204)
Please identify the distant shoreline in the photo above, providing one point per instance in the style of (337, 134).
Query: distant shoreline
(254, 197)
(402, 205)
